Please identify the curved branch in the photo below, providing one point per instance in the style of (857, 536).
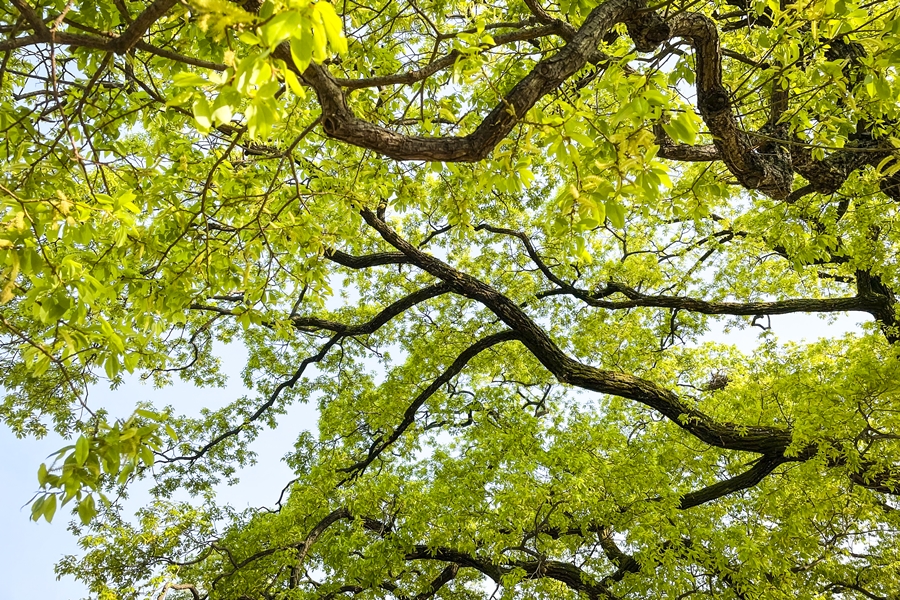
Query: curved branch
(303, 547)
(771, 174)
(409, 416)
(873, 304)
(573, 577)
(386, 314)
(885, 480)
(745, 480)
(758, 161)
(763, 440)
(119, 45)
(340, 123)
(368, 327)
(195, 594)
(136, 30)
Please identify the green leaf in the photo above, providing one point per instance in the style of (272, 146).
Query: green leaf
(249, 38)
(112, 366)
(48, 509)
(615, 212)
(43, 475)
(86, 509)
(334, 28)
(319, 38)
(301, 50)
(189, 79)
(37, 508)
(682, 128)
(202, 114)
(294, 83)
(221, 113)
(280, 28)
(147, 456)
(82, 448)
(149, 414)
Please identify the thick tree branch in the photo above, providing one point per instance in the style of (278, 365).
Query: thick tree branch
(136, 30)
(770, 174)
(570, 575)
(867, 304)
(119, 45)
(745, 480)
(367, 260)
(763, 440)
(683, 152)
(371, 326)
(758, 161)
(340, 123)
(31, 17)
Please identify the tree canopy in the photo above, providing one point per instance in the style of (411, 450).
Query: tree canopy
(488, 240)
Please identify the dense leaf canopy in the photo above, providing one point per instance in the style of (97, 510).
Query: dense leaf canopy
(536, 212)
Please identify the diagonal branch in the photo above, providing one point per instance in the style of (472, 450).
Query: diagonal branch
(764, 440)
(393, 310)
(444, 577)
(382, 443)
(31, 16)
(388, 313)
(136, 30)
(746, 480)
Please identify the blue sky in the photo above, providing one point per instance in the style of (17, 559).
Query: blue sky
(29, 550)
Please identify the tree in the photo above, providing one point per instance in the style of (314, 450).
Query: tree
(537, 211)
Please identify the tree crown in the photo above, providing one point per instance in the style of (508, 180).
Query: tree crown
(536, 213)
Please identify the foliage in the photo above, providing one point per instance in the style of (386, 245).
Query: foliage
(537, 212)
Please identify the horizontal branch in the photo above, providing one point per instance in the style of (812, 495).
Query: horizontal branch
(688, 153)
(116, 44)
(867, 304)
(367, 260)
(446, 61)
(566, 573)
